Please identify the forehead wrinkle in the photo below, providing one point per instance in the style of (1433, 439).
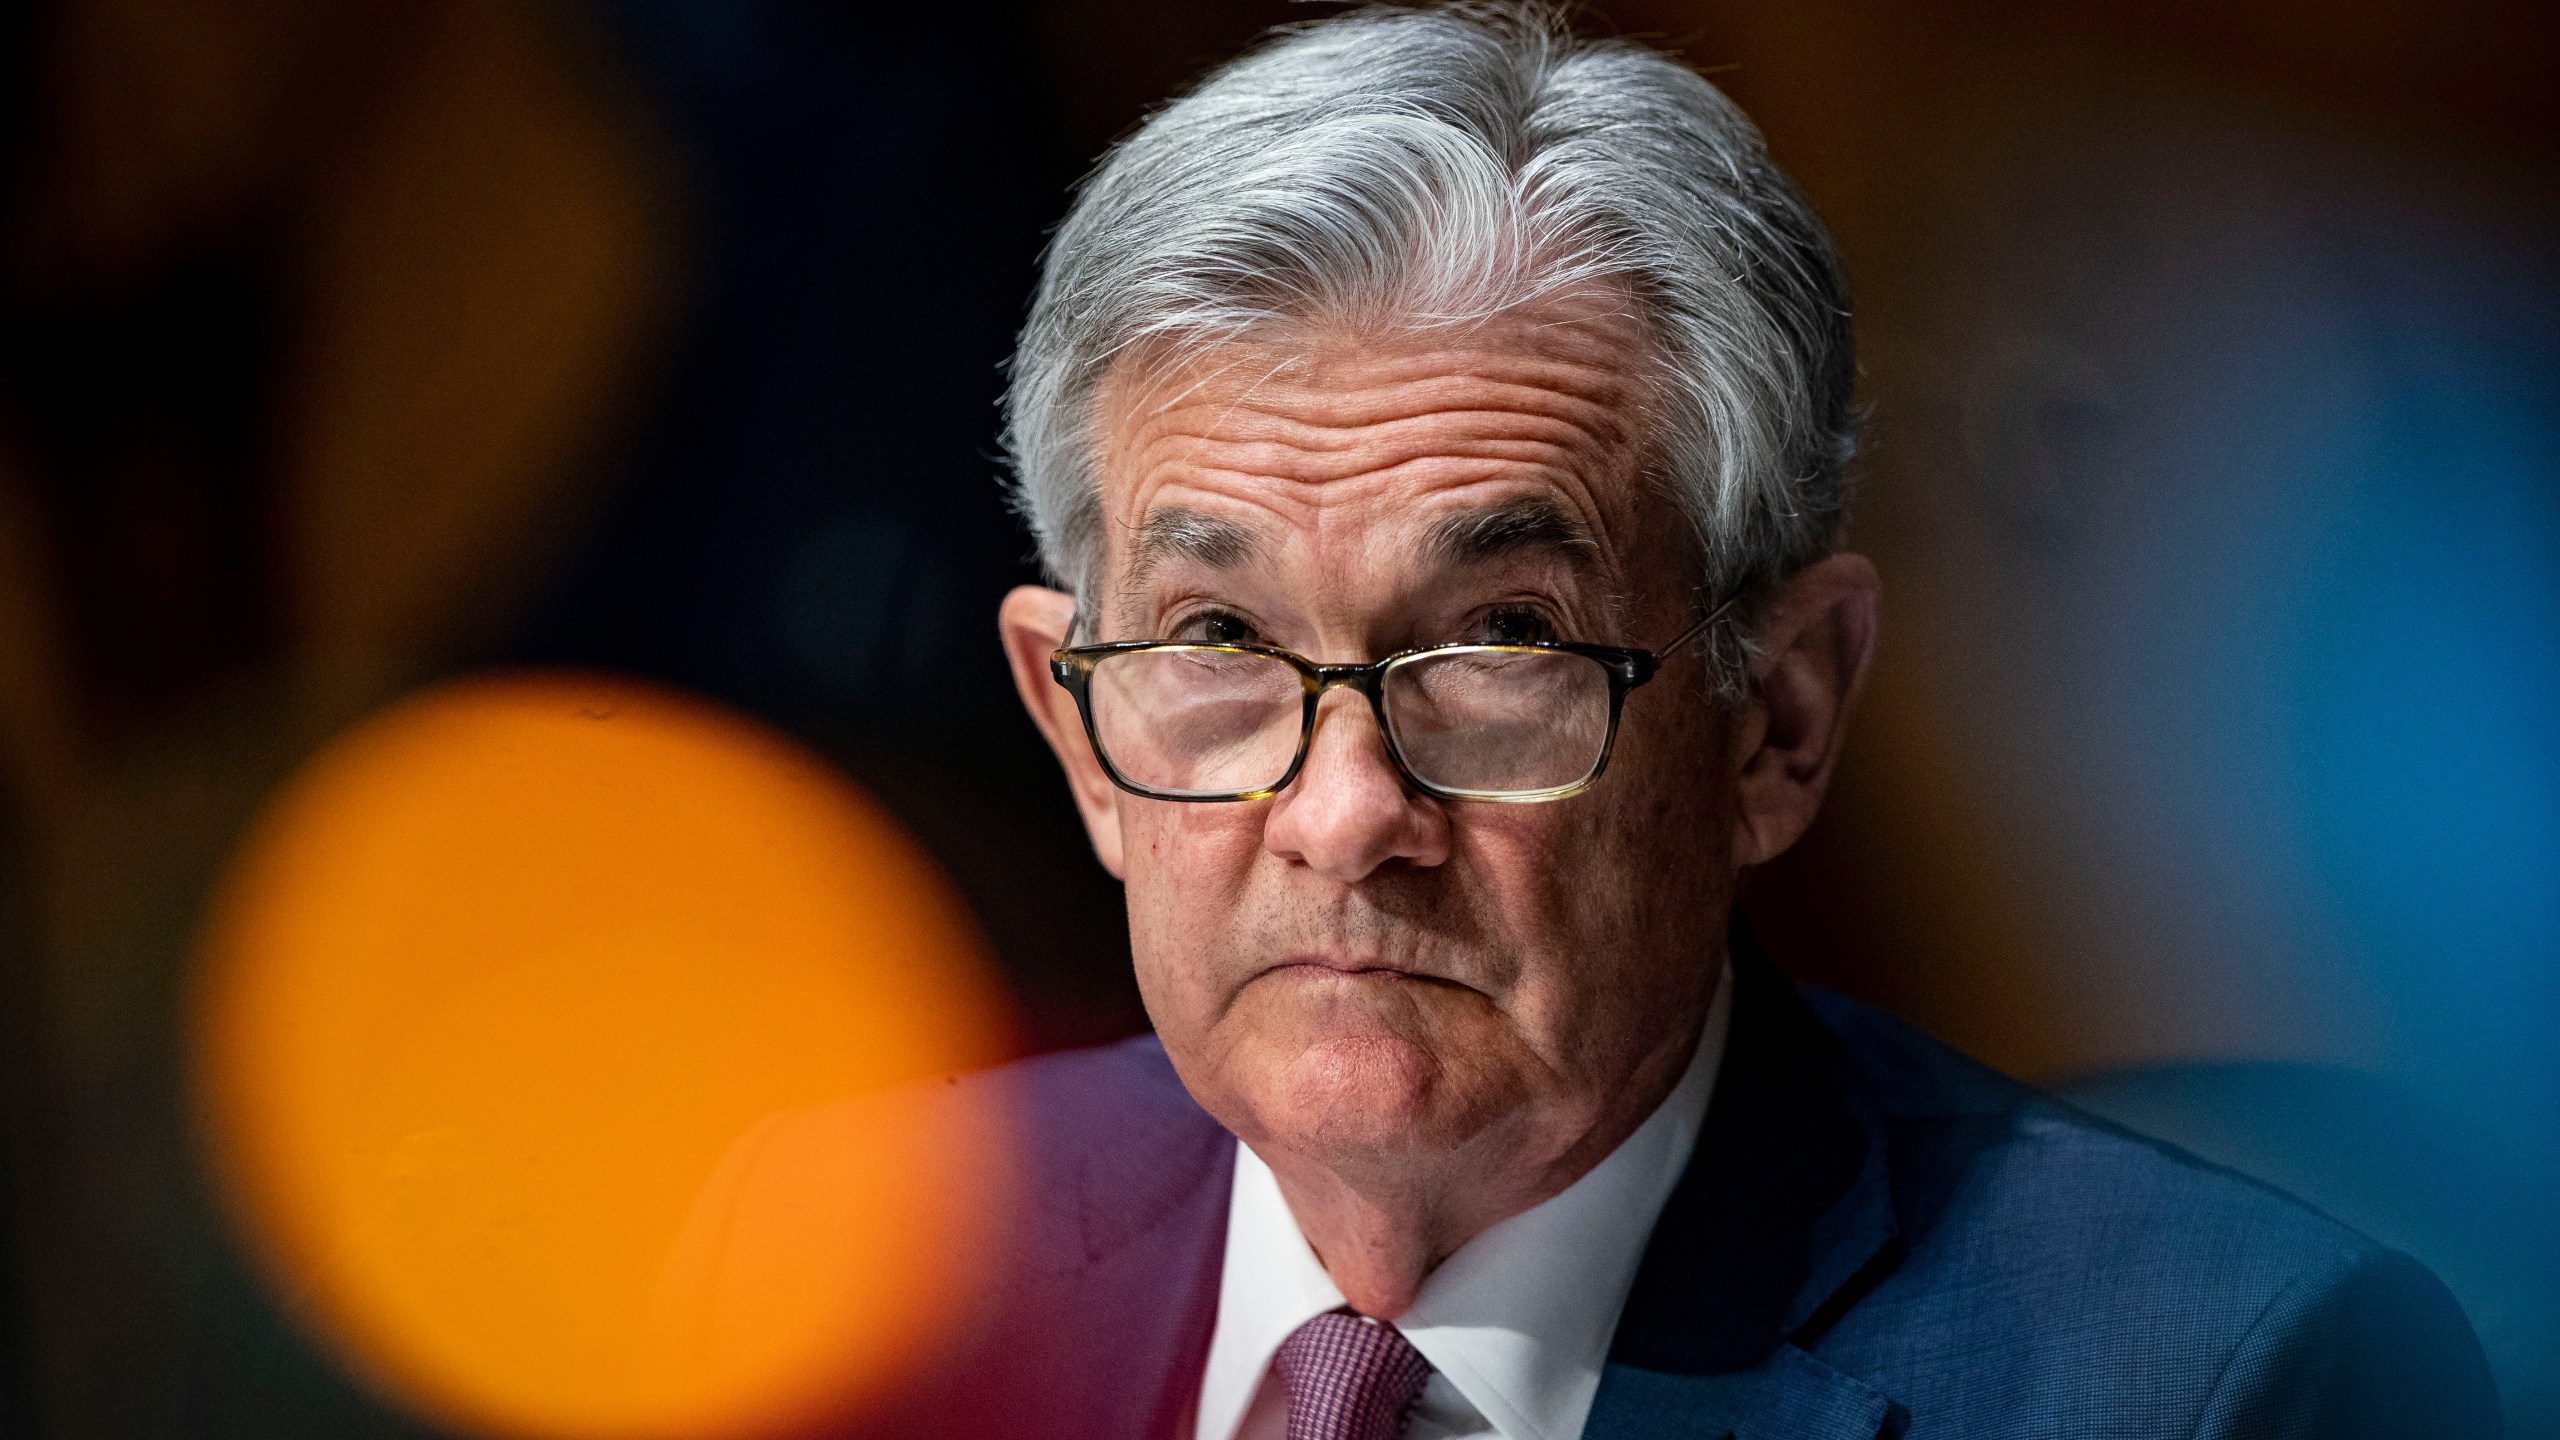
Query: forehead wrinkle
(1387, 459)
(1241, 400)
(1283, 447)
(1313, 392)
(1321, 431)
(1311, 416)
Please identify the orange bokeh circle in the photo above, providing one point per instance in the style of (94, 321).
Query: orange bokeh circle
(571, 1053)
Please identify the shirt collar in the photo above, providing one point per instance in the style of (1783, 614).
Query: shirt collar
(1519, 1319)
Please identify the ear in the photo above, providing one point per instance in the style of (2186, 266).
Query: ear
(1034, 622)
(1815, 641)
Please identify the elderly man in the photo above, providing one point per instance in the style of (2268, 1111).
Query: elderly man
(1436, 425)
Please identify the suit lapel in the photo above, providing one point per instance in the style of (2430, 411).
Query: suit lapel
(1153, 1225)
(1783, 1220)
(1112, 1270)
(1193, 1239)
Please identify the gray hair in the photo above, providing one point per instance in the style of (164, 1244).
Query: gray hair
(1427, 167)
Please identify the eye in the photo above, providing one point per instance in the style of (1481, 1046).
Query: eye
(1216, 627)
(1514, 625)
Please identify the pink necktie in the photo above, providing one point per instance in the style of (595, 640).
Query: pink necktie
(1349, 1378)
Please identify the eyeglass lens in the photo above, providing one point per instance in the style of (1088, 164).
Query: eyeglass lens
(1197, 722)
(1504, 722)
(1203, 722)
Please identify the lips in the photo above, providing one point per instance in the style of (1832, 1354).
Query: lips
(1315, 966)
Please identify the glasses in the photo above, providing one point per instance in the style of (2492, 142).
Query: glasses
(1515, 724)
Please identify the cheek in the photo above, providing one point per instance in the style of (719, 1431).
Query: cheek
(1555, 896)
(1185, 868)
(1523, 864)
(1671, 779)
(1595, 891)
(1672, 831)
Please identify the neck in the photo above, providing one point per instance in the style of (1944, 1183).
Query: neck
(1381, 1224)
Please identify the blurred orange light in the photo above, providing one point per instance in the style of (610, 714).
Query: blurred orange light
(494, 987)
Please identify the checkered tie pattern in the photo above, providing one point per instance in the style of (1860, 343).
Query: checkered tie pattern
(1349, 1378)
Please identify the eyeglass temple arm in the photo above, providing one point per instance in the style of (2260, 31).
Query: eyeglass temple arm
(1696, 628)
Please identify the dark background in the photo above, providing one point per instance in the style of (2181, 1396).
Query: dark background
(2212, 767)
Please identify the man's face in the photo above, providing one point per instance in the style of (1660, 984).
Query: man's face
(1351, 971)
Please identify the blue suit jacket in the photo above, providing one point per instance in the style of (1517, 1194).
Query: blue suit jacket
(1876, 1237)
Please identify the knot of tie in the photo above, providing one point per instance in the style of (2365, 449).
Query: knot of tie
(1349, 1378)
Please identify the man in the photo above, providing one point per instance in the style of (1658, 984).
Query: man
(1436, 427)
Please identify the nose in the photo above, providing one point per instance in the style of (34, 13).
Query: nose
(1349, 812)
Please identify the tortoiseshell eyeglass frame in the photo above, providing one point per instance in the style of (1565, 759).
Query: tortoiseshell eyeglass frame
(1626, 666)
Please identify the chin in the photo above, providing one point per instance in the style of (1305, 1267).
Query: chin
(1363, 1093)
(1326, 1065)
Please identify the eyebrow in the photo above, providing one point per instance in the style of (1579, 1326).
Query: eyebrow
(1175, 533)
(1532, 524)
(1528, 525)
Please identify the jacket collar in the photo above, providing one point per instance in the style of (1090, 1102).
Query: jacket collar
(1784, 1218)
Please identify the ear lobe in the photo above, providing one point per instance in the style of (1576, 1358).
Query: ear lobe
(1816, 641)
(1034, 621)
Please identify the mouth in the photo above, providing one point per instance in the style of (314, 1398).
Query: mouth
(1337, 967)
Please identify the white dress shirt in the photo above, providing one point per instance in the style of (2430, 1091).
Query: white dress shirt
(1516, 1325)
